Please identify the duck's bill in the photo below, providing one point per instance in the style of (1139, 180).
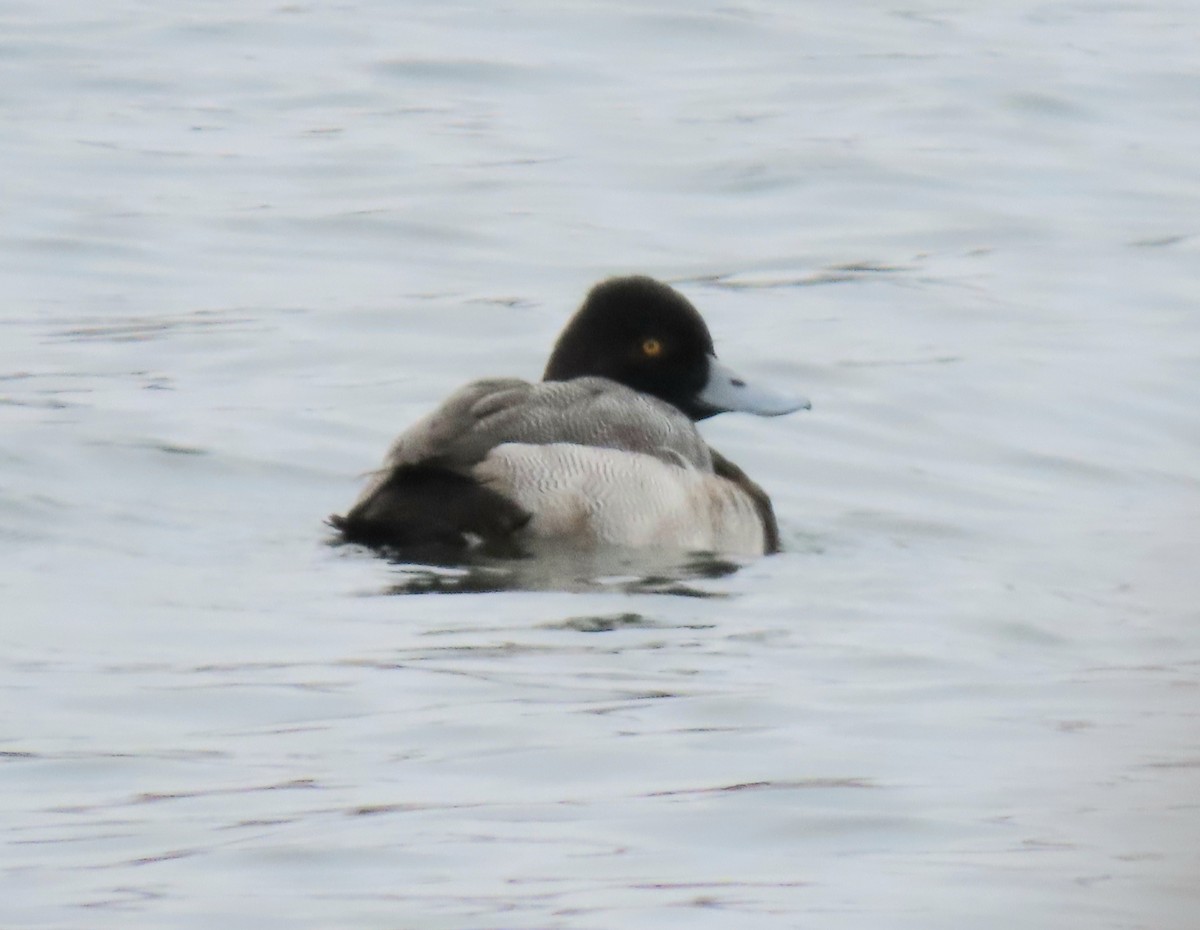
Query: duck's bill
(727, 391)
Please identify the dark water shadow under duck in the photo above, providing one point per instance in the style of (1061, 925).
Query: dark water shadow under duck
(602, 453)
(554, 568)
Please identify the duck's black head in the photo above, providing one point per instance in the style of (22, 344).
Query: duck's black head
(647, 336)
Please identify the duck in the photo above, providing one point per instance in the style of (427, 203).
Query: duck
(603, 451)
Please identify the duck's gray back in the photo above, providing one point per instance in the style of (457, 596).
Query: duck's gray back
(585, 411)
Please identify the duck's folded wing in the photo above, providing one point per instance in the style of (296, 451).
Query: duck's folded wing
(456, 434)
(585, 411)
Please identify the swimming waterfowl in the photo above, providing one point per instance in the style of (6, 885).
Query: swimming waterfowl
(603, 451)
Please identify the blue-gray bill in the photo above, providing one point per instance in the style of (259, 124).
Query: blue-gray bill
(728, 391)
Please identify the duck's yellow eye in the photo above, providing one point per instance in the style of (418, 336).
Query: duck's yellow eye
(652, 348)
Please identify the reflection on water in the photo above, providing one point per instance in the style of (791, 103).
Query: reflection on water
(631, 572)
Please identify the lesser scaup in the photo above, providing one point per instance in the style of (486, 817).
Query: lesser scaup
(604, 450)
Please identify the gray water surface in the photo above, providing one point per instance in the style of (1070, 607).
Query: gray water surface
(244, 244)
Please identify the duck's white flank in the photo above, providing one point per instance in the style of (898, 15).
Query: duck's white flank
(598, 496)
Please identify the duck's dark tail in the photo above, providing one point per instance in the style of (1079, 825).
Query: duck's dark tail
(422, 507)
